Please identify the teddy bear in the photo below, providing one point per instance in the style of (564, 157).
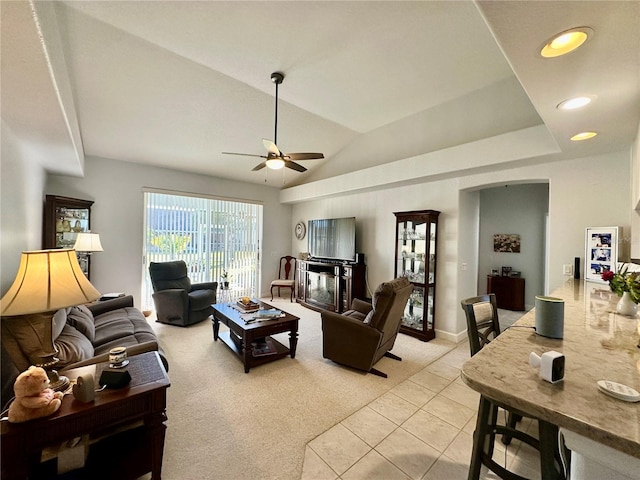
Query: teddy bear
(34, 398)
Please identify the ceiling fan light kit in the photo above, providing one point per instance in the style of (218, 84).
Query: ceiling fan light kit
(275, 163)
(275, 159)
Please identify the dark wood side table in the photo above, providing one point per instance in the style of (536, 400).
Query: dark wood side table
(142, 402)
(509, 291)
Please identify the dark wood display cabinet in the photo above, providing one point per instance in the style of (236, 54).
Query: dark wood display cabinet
(64, 218)
(509, 291)
(416, 259)
(330, 285)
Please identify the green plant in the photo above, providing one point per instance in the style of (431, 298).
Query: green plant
(171, 243)
(624, 281)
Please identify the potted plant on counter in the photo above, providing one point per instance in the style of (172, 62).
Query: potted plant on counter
(626, 285)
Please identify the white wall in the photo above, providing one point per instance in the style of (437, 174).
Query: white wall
(22, 180)
(376, 232)
(375, 222)
(635, 199)
(522, 210)
(117, 215)
(468, 252)
(580, 195)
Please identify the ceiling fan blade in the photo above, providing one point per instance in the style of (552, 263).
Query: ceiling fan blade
(271, 147)
(294, 166)
(245, 154)
(304, 156)
(260, 166)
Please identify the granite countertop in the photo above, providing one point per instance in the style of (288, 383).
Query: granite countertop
(598, 344)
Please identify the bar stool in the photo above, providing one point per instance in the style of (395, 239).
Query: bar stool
(482, 327)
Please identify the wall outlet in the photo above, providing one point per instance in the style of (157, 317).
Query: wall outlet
(567, 269)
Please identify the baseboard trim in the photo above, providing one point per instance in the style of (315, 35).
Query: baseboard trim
(452, 337)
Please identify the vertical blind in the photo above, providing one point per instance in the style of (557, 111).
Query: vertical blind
(211, 235)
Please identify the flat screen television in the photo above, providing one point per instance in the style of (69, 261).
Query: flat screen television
(332, 238)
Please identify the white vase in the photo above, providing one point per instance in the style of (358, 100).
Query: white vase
(626, 306)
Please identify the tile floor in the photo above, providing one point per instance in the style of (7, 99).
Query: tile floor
(420, 429)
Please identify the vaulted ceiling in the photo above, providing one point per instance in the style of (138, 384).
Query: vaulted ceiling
(176, 83)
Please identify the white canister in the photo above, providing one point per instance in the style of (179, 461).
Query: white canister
(118, 356)
(549, 316)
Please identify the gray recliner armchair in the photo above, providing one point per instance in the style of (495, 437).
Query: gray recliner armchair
(359, 337)
(177, 300)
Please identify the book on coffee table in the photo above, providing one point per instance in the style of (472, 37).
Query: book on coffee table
(268, 313)
(260, 349)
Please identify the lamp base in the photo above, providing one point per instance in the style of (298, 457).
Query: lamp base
(57, 383)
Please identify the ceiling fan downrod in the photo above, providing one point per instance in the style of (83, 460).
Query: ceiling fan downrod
(277, 78)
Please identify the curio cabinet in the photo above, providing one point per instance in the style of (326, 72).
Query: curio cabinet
(416, 259)
(64, 218)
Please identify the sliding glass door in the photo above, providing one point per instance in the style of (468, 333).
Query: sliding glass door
(211, 235)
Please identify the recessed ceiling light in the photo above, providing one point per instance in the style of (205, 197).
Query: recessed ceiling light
(573, 103)
(566, 42)
(583, 136)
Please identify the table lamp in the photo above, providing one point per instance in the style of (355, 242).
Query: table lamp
(47, 280)
(86, 244)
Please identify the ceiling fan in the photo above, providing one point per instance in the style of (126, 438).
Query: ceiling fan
(275, 159)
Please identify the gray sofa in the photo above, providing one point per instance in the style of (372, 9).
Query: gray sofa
(83, 335)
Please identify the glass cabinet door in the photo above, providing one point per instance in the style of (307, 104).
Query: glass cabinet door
(416, 235)
(64, 219)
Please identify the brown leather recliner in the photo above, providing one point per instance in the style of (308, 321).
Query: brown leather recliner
(177, 300)
(361, 336)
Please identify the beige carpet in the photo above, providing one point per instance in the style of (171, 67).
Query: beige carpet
(225, 424)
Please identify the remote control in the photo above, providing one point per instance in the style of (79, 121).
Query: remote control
(619, 391)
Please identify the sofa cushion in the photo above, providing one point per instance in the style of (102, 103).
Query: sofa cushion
(72, 346)
(81, 319)
(59, 321)
(121, 327)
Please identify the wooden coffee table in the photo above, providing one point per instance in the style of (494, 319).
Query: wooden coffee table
(240, 336)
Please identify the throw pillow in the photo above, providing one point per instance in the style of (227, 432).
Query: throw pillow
(72, 347)
(59, 321)
(81, 318)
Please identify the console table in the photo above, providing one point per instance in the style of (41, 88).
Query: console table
(330, 285)
(136, 412)
(509, 291)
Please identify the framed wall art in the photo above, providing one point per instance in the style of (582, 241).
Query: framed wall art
(601, 253)
(506, 242)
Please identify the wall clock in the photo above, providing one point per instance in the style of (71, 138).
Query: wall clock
(301, 230)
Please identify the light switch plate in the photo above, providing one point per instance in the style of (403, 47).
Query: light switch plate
(567, 269)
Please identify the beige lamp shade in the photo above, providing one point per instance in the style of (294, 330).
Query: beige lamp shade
(47, 280)
(88, 242)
